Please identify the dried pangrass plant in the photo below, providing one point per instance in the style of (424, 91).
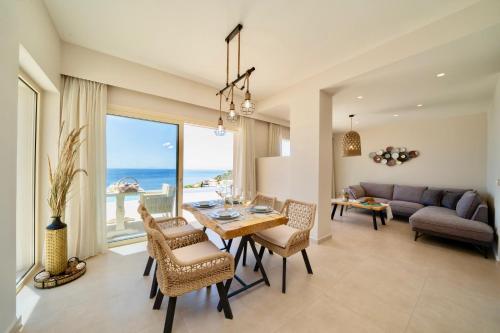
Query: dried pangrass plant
(63, 175)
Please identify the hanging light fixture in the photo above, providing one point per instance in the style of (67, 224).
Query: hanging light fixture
(248, 106)
(351, 142)
(220, 131)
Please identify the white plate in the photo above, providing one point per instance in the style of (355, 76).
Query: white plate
(205, 204)
(225, 214)
(261, 209)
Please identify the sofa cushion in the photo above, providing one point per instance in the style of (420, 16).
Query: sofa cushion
(378, 190)
(408, 193)
(432, 197)
(356, 191)
(404, 208)
(445, 221)
(467, 204)
(450, 199)
(381, 200)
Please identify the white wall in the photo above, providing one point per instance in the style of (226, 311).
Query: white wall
(493, 173)
(8, 126)
(273, 177)
(452, 153)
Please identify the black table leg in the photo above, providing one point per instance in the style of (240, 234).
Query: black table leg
(374, 216)
(334, 209)
(341, 210)
(382, 217)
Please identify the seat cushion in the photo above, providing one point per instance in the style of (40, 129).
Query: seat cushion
(178, 231)
(277, 235)
(378, 190)
(404, 208)
(196, 251)
(432, 197)
(446, 222)
(467, 204)
(408, 193)
(381, 200)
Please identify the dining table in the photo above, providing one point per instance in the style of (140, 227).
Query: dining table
(247, 223)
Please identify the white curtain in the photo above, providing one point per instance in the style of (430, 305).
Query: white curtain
(244, 158)
(277, 133)
(84, 103)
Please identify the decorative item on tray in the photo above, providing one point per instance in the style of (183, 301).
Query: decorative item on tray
(260, 209)
(205, 204)
(125, 185)
(75, 268)
(345, 194)
(392, 156)
(370, 201)
(225, 214)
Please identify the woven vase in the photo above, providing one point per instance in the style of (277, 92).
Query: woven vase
(56, 248)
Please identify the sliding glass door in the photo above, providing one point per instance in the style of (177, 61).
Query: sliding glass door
(142, 167)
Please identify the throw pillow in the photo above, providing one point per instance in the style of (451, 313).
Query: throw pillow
(356, 191)
(467, 204)
(450, 199)
(432, 197)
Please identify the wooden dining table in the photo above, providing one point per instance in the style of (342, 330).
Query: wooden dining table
(244, 226)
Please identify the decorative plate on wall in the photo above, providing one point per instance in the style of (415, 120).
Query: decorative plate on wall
(392, 156)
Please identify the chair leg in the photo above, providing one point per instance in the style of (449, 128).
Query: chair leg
(416, 236)
(229, 245)
(158, 300)
(261, 255)
(169, 320)
(154, 284)
(245, 255)
(149, 263)
(224, 300)
(283, 281)
(306, 261)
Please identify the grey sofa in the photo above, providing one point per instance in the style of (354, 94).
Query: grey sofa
(450, 213)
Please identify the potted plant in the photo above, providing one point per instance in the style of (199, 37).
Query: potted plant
(61, 177)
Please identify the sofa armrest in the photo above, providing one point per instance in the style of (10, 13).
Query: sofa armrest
(481, 213)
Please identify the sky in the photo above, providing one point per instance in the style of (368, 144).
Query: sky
(143, 144)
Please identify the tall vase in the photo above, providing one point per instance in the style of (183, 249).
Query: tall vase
(56, 248)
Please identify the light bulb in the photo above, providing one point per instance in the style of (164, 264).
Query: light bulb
(247, 107)
(220, 131)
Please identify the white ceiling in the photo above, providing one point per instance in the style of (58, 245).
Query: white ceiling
(471, 65)
(286, 40)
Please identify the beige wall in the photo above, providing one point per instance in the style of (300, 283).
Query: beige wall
(493, 174)
(453, 154)
(273, 177)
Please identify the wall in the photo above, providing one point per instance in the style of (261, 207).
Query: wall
(493, 173)
(8, 126)
(273, 177)
(453, 153)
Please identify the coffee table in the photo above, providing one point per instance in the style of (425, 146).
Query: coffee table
(376, 209)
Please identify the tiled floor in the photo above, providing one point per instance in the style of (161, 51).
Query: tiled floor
(364, 281)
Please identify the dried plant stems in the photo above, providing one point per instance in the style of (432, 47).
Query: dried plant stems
(63, 175)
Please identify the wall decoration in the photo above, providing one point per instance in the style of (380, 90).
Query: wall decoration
(392, 156)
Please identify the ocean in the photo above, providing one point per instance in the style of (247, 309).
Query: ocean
(152, 179)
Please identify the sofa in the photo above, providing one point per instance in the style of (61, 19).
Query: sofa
(458, 214)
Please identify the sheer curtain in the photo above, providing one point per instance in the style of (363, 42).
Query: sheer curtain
(244, 158)
(84, 103)
(277, 133)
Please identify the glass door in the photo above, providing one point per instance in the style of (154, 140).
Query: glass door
(142, 167)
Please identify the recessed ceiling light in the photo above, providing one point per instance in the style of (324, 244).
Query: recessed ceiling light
(395, 115)
(440, 74)
(359, 97)
(420, 105)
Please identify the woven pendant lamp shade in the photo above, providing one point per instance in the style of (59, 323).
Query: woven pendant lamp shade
(351, 143)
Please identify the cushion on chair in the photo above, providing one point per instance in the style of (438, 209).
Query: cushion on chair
(404, 208)
(196, 251)
(378, 190)
(408, 193)
(356, 191)
(467, 204)
(173, 232)
(450, 199)
(278, 235)
(432, 197)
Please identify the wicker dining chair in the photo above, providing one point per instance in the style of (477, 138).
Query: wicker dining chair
(187, 269)
(177, 232)
(286, 240)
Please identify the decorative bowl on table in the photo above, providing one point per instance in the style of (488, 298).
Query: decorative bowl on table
(369, 200)
(226, 214)
(205, 204)
(261, 209)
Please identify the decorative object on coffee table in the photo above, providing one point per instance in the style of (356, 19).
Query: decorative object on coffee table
(392, 156)
(61, 177)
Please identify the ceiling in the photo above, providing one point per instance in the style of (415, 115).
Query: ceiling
(286, 40)
(471, 65)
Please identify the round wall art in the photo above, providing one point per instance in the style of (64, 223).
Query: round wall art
(392, 156)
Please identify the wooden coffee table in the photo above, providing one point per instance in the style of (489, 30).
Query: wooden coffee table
(377, 209)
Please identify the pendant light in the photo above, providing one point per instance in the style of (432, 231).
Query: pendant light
(220, 131)
(248, 106)
(351, 142)
(232, 116)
